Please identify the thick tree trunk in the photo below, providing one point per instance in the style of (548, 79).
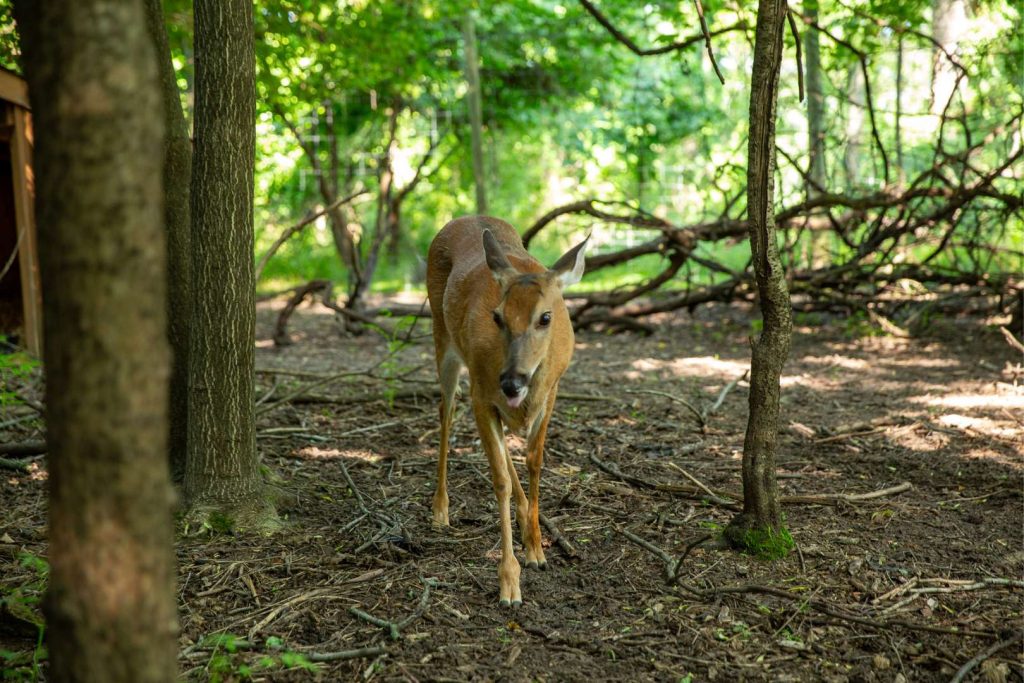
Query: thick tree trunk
(111, 601)
(222, 473)
(177, 173)
(759, 528)
(475, 115)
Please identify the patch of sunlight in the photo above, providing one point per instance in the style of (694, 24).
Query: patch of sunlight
(837, 360)
(993, 456)
(317, 453)
(264, 343)
(697, 366)
(967, 401)
(980, 424)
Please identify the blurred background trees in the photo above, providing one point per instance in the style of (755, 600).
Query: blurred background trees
(898, 173)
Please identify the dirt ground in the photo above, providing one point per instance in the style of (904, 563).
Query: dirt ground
(907, 586)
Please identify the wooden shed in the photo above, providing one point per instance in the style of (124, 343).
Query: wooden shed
(21, 301)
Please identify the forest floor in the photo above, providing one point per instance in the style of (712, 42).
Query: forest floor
(907, 586)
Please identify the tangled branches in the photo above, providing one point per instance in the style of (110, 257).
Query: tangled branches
(945, 227)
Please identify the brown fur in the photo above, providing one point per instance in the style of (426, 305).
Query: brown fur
(466, 287)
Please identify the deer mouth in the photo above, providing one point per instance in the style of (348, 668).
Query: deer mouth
(517, 400)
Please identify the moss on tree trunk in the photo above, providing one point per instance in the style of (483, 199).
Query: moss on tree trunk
(110, 606)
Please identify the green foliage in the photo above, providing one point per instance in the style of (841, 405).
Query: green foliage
(231, 657)
(858, 325)
(22, 604)
(570, 112)
(14, 367)
(10, 45)
(392, 369)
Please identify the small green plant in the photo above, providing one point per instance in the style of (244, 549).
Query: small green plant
(391, 368)
(858, 324)
(22, 603)
(13, 367)
(227, 661)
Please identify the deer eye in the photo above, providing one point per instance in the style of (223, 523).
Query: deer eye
(545, 319)
(497, 319)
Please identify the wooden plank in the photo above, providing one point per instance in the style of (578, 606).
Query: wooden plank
(25, 219)
(13, 89)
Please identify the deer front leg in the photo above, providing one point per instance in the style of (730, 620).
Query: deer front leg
(489, 425)
(534, 462)
(522, 518)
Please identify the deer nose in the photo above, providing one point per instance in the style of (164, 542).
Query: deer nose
(512, 383)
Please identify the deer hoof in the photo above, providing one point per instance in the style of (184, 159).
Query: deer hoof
(505, 602)
(534, 564)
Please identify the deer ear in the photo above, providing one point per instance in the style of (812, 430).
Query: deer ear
(569, 268)
(501, 269)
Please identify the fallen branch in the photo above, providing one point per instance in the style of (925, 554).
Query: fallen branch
(558, 537)
(837, 498)
(683, 490)
(393, 628)
(700, 415)
(671, 565)
(1011, 340)
(830, 610)
(344, 654)
(721, 396)
(728, 499)
(21, 449)
(17, 465)
(978, 659)
(714, 498)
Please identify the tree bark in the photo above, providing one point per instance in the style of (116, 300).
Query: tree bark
(222, 473)
(759, 528)
(363, 280)
(815, 102)
(854, 126)
(475, 115)
(948, 20)
(96, 104)
(898, 120)
(177, 174)
(815, 120)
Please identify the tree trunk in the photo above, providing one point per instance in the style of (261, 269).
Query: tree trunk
(177, 173)
(899, 109)
(815, 102)
(475, 115)
(815, 121)
(385, 199)
(759, 527)
(111, 602)
(222, 475)
(393, 220)
(948, 20)
(854, 125)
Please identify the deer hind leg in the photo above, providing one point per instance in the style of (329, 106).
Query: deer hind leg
(492, 437)
(534, 462)
(448, 368)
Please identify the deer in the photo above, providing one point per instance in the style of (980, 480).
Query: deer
(501, 315)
